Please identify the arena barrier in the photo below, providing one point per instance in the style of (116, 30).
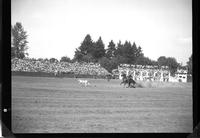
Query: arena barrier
(67, 75)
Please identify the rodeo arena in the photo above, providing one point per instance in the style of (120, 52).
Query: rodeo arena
(63, 97)
(94, 70)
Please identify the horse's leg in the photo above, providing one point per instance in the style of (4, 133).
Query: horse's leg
(124, 84)
(129, 84)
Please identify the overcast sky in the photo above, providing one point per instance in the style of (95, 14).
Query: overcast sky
(56, 27)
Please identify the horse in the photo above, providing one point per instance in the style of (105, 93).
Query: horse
(128, 80)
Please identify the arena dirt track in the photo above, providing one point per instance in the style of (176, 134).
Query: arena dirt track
(55, 105)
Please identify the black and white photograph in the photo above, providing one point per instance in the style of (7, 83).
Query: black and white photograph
(101, 66)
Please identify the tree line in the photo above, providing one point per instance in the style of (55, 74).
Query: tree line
(95, 51)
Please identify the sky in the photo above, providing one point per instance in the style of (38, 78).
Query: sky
(56, 28)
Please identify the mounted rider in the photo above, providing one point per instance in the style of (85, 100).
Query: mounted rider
(128, 80)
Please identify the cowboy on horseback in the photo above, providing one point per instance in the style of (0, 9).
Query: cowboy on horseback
(128, 80)
(131, 81)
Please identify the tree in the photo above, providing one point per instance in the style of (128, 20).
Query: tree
(142, 60)
(189, 65)
(105, 62)
(78, 55)
(172, 64)
(119, 49)
(40, 59)
(18, 41)
(120, 59)
(88, 58)
(108, 64)
(65, 59)
(53, 60)
(162, 61)
(46, 59)
(138, 52)
(110, 52)
(99, 49)
(128, 52)
(87, 47)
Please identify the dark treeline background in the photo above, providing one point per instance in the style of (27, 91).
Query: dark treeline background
(94, 51)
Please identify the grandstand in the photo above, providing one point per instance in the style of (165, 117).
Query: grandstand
(30, 65)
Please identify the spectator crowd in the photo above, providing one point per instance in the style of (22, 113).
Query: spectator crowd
(33, 65)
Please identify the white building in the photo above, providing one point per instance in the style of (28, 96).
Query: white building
(145, 73)
(152, 73)
(181, 75)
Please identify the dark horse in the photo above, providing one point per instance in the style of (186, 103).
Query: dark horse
(128, 80)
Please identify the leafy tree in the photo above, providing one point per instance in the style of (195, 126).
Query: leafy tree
(170, 62)
(18, 41)
(142, 60)
(162, 61)
(88, 58)
(189, 65)
(108, 64)
(154, 63)
(53, 60)
(111, 50)
(40, 59)
(65, 59)
(46, 59)
(99, 49)
(173, 65)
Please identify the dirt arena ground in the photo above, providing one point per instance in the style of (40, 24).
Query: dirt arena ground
(55, 105)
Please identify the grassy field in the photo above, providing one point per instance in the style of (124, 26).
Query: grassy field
(55, 105)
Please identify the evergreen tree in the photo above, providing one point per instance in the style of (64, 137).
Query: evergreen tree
(99, 49)
(128, 52)
(119, 49)
(111, 50)
(87, 47)
(138, 51)
(78, 55)
(18, 41)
